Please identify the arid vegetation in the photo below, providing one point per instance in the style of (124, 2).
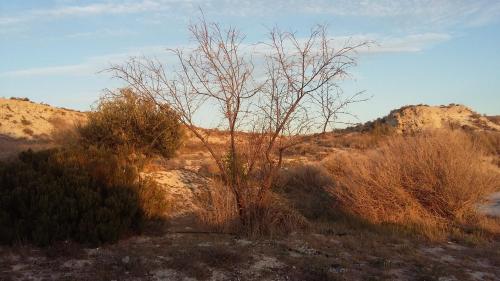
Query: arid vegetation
(292, 93)
(46, 198)
(430, 182)
(124, 122)
(354, 205)
(275, 192)
(90, 189)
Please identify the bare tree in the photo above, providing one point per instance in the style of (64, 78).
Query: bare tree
(333, 103)
(266, 108)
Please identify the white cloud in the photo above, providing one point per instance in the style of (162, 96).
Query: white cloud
(109, 8)
(101, 33)
(420, 12)
(409, 43)
(94, 64)
(435, 13)
(100, 8)
(76, 69)
(89, 66)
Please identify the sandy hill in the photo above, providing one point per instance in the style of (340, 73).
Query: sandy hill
(25, 124)
(21, 118)
(414, 118)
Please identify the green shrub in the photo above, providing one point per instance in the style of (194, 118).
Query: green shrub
(90, 197)
(126, 122)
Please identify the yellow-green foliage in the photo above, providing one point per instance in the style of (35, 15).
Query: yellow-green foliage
(126, 122)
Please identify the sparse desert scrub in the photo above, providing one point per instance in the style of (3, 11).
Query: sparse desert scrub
(90, 190)
(430, 181)
(268, 217)
(356, 140)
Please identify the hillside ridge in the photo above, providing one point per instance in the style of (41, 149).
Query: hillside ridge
(24, 119)
(415, 118)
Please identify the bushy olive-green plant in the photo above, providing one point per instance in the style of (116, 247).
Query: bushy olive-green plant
(91, 196)
(126, 122)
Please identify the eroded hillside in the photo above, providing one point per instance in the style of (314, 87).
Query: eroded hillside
(415, 118)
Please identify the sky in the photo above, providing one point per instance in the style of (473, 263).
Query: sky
(426, 51)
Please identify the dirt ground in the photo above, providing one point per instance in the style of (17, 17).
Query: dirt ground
(179, 250)
(184, 254)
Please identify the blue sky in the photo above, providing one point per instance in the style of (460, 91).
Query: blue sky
(433, 52)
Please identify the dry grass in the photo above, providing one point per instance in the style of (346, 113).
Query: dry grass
(488, 140)
(495, 119)
(208, 168)
(272, 217)
(219, 211)
(305, 188)
(429, 182)
(263, 218)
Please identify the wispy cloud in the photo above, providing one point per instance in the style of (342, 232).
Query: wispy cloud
(408, 43)
(108, 8)
(94, 64)
(107, 32)
(410, 12)
(89, 66)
